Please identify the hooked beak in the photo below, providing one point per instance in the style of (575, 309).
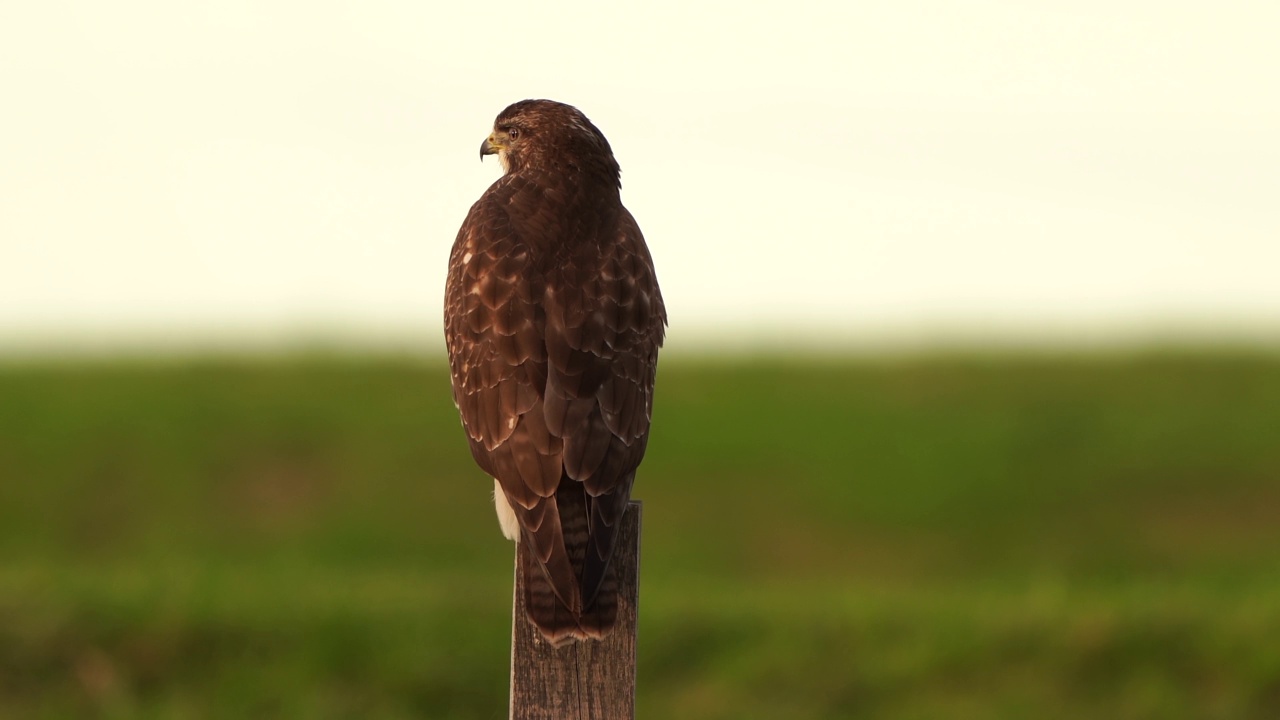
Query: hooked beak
(489, 147)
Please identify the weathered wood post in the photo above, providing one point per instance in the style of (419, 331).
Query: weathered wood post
(590, 680)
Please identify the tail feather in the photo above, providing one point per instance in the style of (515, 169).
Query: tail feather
(543, 607)
(603, 514)
(570, 589)
(602, 614)
(558, 624)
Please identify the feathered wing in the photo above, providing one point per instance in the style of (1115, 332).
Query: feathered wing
(553, 333)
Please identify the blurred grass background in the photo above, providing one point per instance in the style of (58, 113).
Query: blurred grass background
(940, 536)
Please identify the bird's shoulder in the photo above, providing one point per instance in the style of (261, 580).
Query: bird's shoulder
(549, 214)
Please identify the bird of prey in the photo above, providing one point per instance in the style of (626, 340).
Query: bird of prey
(553, 320)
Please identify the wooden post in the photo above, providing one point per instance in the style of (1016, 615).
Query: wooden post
(589, 680)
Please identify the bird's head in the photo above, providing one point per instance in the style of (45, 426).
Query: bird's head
(551, 136)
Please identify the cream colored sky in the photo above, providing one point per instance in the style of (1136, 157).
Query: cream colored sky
(263, 171)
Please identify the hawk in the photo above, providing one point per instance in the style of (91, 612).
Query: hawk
(553, 320)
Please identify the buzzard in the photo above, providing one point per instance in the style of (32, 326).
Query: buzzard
(553, 321)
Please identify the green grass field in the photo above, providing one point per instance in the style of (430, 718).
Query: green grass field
(933, 537)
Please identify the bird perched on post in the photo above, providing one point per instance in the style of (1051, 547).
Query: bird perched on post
(553, 321)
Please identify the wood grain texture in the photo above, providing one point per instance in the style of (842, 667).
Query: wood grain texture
(584, 680)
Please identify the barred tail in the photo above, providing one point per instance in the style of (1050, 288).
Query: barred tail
(570, 590)
(557, 623)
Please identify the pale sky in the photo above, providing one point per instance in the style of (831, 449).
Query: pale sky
(270, 171)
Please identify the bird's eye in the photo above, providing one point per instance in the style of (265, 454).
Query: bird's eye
(513, 133)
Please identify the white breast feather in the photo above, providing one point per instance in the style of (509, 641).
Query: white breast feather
(506, 516)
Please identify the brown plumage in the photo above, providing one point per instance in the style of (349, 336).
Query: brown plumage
(553, 321)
